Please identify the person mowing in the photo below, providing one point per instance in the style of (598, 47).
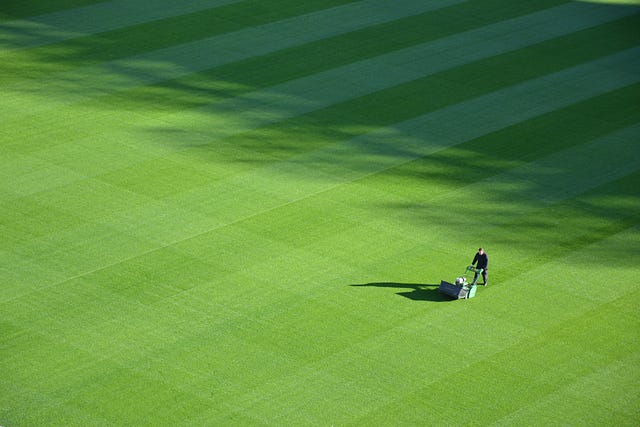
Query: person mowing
(481, 261)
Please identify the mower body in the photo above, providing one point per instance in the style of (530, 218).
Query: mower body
(463, 291)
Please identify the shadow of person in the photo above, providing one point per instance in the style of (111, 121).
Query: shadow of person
(416, 291)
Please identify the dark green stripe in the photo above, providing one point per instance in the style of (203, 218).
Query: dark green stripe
(311, 58)
(322, 55)
(403, 102)
(138, 39)
(527, 141)
(17, 9)
(572, 225)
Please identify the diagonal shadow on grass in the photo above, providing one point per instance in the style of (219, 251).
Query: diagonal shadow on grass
(418, 292)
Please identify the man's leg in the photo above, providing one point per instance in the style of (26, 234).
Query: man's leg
(484, 277)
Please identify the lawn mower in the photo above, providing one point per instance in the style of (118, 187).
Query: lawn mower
(461, 288)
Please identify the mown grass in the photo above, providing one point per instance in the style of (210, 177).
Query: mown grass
(167, 259)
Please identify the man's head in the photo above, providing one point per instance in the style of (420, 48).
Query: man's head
(480, 251)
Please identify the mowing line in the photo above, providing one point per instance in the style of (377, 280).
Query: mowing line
(297, 164)
(321, 173)
(467, 120)
(368, 76)
(531, 335)
(418, 137)
(274, 104)
(558, 177)
(314, 164)
(538, 92)
(571, 172)
(59, 26)
(619, 376)
(170, 63)
(264, 355)
(349, 81)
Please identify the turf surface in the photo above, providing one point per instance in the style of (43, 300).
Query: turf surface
(237, 212)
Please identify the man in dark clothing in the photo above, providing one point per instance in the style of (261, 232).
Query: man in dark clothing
(482, 261)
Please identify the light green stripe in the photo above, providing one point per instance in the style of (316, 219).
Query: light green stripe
(476, 117)
(176, 61)
(247, 195)
(571, 172)
(297, 97)
(558, 177)
(59, 26)
(619, 378)
(270, 187)
(283, 101)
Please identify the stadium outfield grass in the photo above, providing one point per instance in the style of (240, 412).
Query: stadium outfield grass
(238, 212)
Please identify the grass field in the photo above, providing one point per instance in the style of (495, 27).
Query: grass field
(238, 212)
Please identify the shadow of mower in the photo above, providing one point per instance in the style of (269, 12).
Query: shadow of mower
(417, 292)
